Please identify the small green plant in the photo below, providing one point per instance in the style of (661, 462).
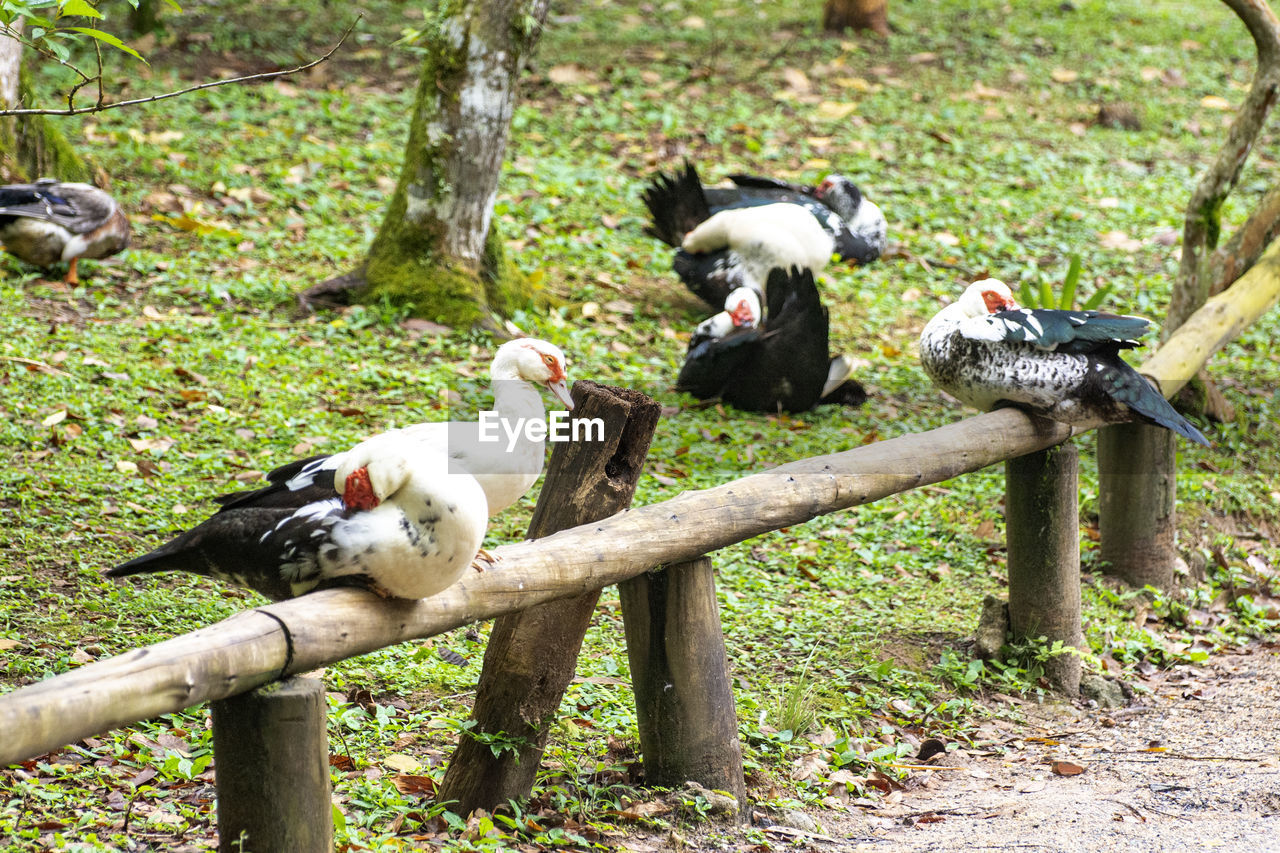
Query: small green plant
(1044, 297)
(797, 709)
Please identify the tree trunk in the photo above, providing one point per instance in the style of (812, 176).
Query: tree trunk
(1205, 270)
(839, 15)
(1203, 220)
(30, 146)
(532, 654)
(437, 250)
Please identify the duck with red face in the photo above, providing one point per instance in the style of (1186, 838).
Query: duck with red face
(1064, 365)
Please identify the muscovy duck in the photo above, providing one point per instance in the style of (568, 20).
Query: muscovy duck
(505, 469)
(741, 309)
(778, 363)
(712, 264)
(1065, 365)
(49, 221)
(402, 524)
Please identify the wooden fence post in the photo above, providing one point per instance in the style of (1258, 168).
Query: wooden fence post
(271, 760)
(1042, 526)
(1137, 489)
(532, 654)
(679, 669)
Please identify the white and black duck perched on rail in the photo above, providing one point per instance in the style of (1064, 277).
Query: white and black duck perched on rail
(776, 363)
(401, 524)
(48, 222)
(1064, 365)
(713, 262)
(505, 471)
(316, 490)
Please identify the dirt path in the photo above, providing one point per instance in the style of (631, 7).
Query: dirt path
(1215, 783)
(1194, 765)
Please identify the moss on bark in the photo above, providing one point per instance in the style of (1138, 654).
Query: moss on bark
(414, 260)
(33, 147)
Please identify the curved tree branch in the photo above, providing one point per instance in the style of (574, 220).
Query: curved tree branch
(100, 107)
(1201, 226)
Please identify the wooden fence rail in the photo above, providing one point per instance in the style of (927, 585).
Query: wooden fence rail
(269, 642)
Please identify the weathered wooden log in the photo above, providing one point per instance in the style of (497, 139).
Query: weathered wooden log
(680, 671)
(532, 654)
(1137, 488)
(1042, 527)
(271, 760)
(269, 642)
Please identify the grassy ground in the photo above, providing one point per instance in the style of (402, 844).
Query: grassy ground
(181, 371)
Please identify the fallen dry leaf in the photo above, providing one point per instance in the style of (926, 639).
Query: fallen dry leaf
(400, 761)
(1066, 768)
(157, 445)
(1119, 240)
(836, 109)
(568, 75)
(640, 811)
(796, 80)
(411, 784)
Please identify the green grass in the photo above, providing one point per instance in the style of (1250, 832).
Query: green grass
(183, 369)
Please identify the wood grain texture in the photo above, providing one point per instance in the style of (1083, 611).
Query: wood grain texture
(1137, 492)
(271, 749)
(680, 671)
(1042, 522)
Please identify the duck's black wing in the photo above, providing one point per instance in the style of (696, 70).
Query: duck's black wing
(789, 368)
(40, 200)
(714, 364)
(290, 486)
(1057, 330)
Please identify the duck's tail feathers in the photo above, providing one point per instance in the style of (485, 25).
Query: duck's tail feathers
(676, 205)
(1129, 387)
(156, 561)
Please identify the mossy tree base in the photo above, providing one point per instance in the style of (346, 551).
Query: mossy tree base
(443, 290)
(33, 147)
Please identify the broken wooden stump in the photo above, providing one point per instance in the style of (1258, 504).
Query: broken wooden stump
(532, 654)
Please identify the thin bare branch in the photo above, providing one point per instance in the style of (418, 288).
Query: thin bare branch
(97, 108)
(1200, 231)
